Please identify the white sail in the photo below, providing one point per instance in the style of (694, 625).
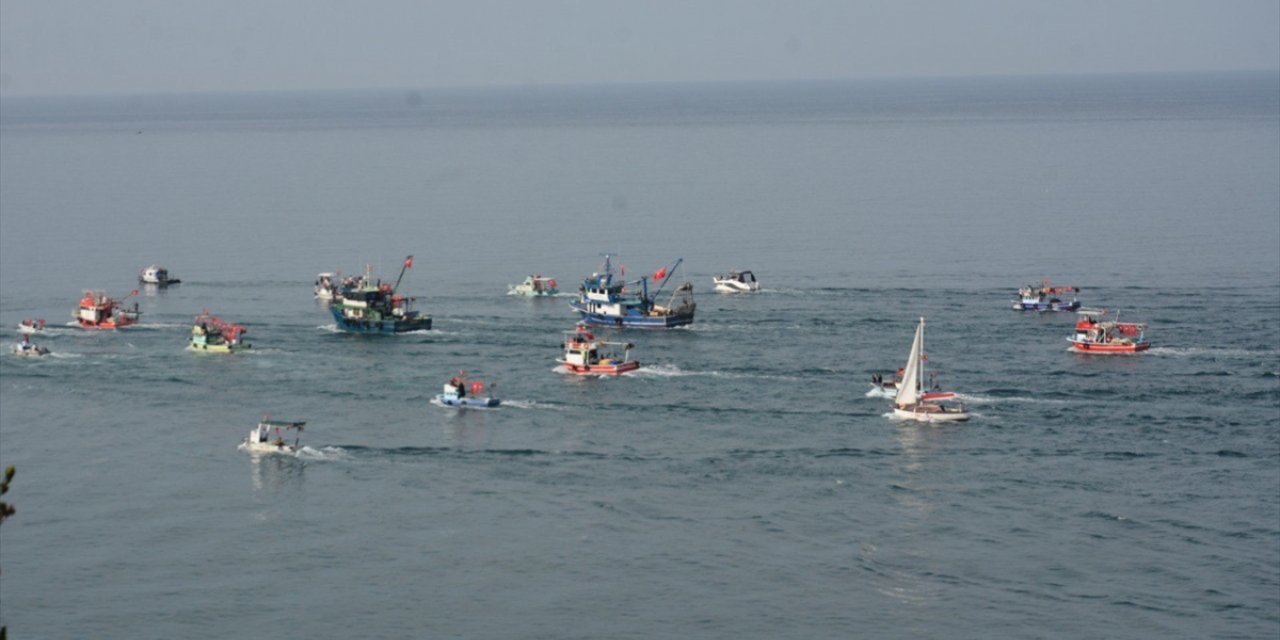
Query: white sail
(909, 387)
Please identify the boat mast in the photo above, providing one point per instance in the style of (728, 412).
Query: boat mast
(920, 363)
(407, 263)
(670, 273)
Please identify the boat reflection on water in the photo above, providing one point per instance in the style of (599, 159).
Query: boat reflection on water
(276, 471)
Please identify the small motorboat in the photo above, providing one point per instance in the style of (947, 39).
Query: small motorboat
(326, 286)
(585, 355)
(157, 275)
(534, 286)
(1046, 298)
(1107, 337)
(30, 326)
(211, 334)
(268, 437)
(736, 282)
(885, 388)
(98, 311)
(462, 393)
(913, 402)
(25, 349)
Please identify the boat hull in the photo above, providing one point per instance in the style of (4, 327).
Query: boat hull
(263, 448)
(218, 348)
(1110, 348)
(735, 287)
(1023, 305)
(385, 326)
(467, 402)
(106, 324)
(633, 320)
(33, 352)
(602, 369)
(886, 390)
(530, 292)
(932, 414)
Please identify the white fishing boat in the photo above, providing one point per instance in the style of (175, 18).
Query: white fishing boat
(157, 275)
(31, 325)
(913, 402)
(534, 286)
(736, 282)
(25, 349)
(326, 285)
(268, 437)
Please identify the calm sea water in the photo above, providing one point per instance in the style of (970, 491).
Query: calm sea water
(741, 485)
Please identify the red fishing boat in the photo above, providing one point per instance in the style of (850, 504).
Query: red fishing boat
(585, 355)
(1093, 335)
(98, 311)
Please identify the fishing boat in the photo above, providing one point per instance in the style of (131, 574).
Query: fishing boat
(157, 275)
(463, 393)
(736, 282)
(606, 301)
(913, 402)
(363, 305)
(326, 285)
(268, 437)
(1093, 335)
(98, 311)
(586, 355)
(30, 326)
(534, 286)
(211, 334)
(24, 348)
(1046, 298)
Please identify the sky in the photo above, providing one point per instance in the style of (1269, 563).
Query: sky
(63, 47)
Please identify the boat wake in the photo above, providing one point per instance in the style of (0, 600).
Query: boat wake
(882, 393)
(530, 404)
(156, 325)
(975, 399)
(1212, 352)
(673, 371)
(323, 453)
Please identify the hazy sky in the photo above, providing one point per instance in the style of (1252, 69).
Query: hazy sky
(145, 46)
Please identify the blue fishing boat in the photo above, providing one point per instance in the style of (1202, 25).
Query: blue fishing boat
(362, 305)
(1046, 298)
(606, 301)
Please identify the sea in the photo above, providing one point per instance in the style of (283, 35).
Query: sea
(742, 483)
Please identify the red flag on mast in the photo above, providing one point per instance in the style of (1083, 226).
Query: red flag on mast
(408, 262)
(660, 274)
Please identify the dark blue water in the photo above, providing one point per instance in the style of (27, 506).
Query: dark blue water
(742, 484)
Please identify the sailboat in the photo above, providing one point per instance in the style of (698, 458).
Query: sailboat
(912, 402)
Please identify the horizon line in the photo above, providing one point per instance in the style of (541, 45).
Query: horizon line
(620, 84)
